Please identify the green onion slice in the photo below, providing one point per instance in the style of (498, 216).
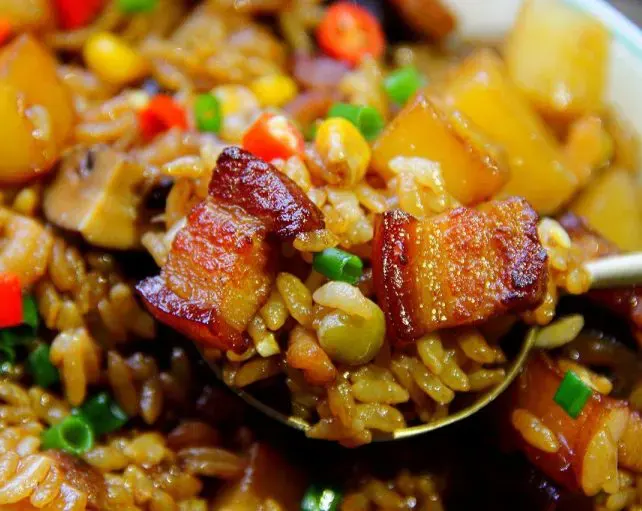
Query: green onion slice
(43, 372)
(207, 112)
(30, 313)
(321, 498)
(7, 353)
(338, 265)
(134, 6)
(367, 119)
(102, 413)
(73, 435)
(401, 84)
(572, 394)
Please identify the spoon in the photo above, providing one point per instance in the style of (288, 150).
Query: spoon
(609, 272)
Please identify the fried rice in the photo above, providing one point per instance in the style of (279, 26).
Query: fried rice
(156, 238)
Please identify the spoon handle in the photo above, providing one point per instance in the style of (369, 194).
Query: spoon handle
(616, 271)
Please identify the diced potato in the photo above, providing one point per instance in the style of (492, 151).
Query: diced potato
(20, 151)
(610, 204)
(27, 14)
(626, 142)
(39, 108)
(558, 57)
(471, 168)
(588, 147)
(481, 90)
(267, 476)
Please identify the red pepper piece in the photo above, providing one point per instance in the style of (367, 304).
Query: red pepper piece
(273, 136)
(161, 114)
(73, 14)
(6, 30)
(10, 300)
(349, 32)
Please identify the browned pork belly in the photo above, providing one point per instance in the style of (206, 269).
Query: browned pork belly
(221, 265)
(624, 302)
(590, 447)
(459, 268)
(265, 193)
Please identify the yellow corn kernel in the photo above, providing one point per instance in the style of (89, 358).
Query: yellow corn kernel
(274, 90)
(343, 150)
(113, 60)
(138, 99)
(235, 99)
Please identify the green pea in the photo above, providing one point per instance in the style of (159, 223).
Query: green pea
(352, 340)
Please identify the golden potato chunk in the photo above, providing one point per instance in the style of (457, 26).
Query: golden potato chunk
(471, 168)
(27, 14)
(36, 109)
(558, 57)
(482, 91)
(611, 205)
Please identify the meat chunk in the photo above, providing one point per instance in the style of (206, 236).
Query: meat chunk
(217, 275)
(220, 268)
(80, 477)
(588, 445)
(627, 303)
(458, 268)
(630, 448)
(268, 475)
(264, 192)
(430, 18)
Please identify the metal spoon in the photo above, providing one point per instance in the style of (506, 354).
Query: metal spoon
(609, 272)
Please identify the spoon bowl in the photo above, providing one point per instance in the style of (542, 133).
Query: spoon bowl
(616, 271)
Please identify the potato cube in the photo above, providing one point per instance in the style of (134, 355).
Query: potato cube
(482, 91)
(471, 168)
(40, 109)
(611, 205)
(558, 57)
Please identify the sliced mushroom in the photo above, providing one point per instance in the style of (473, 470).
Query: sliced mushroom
(97, 193)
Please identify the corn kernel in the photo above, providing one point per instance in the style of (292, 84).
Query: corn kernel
(344, 151)
(235, 99)
(138, 99)
(113, 60)
(274, 90)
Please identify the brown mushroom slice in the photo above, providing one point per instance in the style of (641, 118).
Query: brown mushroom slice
(95, 193)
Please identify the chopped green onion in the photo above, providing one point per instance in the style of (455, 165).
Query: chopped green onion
(7, 354)
(73, 435)
(338, 265)
(402, 84)
(311, 131)
(43, 372)
(207, 111)
(30, 312)
(134, 6)
(367, 119)
(103, 414)
(321, 498)
(572, 394)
